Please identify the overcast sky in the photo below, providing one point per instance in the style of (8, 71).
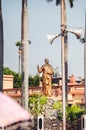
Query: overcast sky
(44, 18)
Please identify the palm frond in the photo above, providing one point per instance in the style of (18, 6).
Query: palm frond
(58, 2)
(18, 43)
(71, 3)
(49, 0)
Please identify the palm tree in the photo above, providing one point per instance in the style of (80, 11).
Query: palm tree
(18, 44)
(24, 57)
(64, 54)
(1, 49)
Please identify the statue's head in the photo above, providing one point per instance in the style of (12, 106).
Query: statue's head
(46, 61)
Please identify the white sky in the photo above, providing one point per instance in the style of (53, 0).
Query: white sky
(44, 18)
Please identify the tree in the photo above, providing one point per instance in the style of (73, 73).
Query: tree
(34, 80)
(24, 57)
(17, 81)
(1, 49)
(7, 71)
(18, 44)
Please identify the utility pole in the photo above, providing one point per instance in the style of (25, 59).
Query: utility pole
(24, 57)
(1, 49)
(63, 27)
(83, 40)
(85, 60)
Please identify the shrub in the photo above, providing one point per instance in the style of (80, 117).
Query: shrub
(36, 103)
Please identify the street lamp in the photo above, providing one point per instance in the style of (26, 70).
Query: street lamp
(51, 38)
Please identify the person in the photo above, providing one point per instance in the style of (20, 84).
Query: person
(47, 72)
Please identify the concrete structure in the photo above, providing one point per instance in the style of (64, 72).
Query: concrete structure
(8, 81)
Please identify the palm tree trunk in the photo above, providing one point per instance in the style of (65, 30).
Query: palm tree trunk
(1, 49)
(65, 53)
(24, 58)
(63, 59)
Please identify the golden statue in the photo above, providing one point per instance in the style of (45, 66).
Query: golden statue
(47, 71)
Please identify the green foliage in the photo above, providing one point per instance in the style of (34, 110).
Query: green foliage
(74, 112)
(31, 81)
(73, 115)
(58, 106)
(7, 71)
(36, 103)
(18, 43)
(34, 80)
(17, 81)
